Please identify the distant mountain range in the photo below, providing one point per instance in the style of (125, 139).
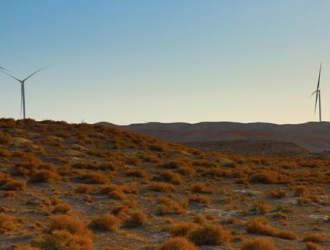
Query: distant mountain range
(313, 136)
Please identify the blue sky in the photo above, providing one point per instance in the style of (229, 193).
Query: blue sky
(128, 61)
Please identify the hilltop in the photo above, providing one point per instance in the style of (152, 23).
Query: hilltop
(82, 187)
(313, 136)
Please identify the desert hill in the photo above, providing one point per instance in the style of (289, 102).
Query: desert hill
(312, 136)
(254, 148)
(90, 187)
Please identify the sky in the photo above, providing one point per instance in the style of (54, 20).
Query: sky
(128, 61)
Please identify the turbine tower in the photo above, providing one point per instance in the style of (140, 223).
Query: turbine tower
(23, 89)
(317, 92)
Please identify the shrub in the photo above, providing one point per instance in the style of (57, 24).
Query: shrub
(141, 173)
(62, 208)
(262, 207)
(266, 177)
(199, 199)
(94, 178)
(181, 229)
(174, 164)
(6, 223)
(278, 194)
(14, 185)
(263, 227)
(260, 226)
(4, 153)
(315, 238)
(20, 247)
(4, 138)
(168, 205)
(137, 218)
(65, 233)
(63, 240)
(171, 177)
(201, 188)
(68, 223)
(105, 222)
(161, 187)
(287, 235)
(44, 176)
(117, 195)
(301, 191)
(83, 189)
(313, 246)
(258, 244)
(177, 244)
(210, 235)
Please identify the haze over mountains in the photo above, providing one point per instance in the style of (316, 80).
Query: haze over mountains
(313, 136)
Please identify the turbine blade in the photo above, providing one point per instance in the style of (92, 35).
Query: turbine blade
(317, 97)
(33, 74)
(3, 69)
(314, 92)
(318, 82)
(12, 76)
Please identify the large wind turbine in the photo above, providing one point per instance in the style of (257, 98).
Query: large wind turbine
(317, 92)
(23, 89)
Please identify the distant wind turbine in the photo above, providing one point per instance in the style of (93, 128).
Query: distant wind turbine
(317, 92)
(23, 89)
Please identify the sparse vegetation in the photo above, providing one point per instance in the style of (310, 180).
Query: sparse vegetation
(105, 222)
(56, 178)
(258, 244)
(177, 244)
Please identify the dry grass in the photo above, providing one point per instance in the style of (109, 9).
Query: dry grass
(83, 189)
(258, 244)
(213, 235)
(65, 233)
(62, 208)
(262, 226)
(199, 199)
(63, 240)
(315, 238)
(181, 229)
(137, 218)
(105, 222)
(94, 178)
(7, 223)
(45, 164)
(161, 187)
(168, 206)
(44, 176)
(170, 177)
(177, 244)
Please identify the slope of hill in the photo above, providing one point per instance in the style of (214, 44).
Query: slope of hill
(83, 187)
(254, 147)
(313, 136)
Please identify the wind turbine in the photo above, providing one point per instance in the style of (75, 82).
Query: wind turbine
(23, 89)
(317, 92)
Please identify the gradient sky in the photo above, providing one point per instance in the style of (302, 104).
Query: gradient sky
(129, 61)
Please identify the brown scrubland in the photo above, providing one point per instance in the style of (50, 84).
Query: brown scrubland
(83, 187)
